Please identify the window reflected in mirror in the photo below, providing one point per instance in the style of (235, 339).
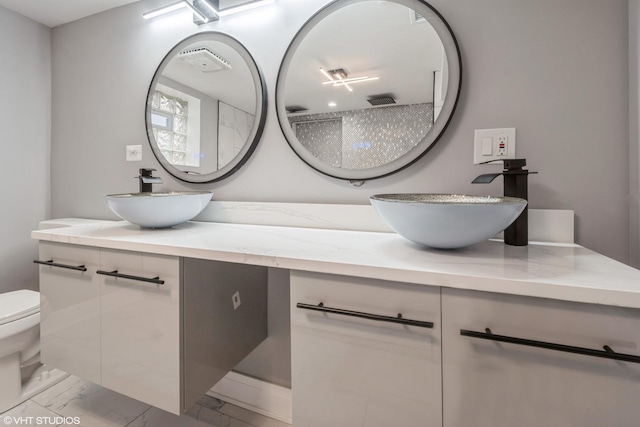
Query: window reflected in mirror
(170, 123)
(206, 108)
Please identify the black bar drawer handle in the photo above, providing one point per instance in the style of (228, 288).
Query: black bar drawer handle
(401, 320)
(607, 353)
(55, 264)
(115, 273)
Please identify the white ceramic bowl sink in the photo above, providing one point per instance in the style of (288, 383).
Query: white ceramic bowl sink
(447, 221)
(158, 210)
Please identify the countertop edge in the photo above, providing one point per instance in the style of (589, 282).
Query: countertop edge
(132, 239)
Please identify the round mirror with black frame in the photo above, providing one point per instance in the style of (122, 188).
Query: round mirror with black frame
(206, 108)
(367, 87)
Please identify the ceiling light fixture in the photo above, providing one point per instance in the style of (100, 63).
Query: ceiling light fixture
(206, 11)
(339, 77)
(245, 7)
(198, 13)
(337, 74)
(327, 75)
(203, 18)
(206, 8)
(342, 82)
(165, 9)
(212, 9)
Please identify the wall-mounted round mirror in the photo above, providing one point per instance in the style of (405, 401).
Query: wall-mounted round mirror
(206, 108)
(368, 86)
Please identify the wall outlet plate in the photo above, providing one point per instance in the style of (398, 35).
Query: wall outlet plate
(236, 300)
(134, 153)
(494, 144)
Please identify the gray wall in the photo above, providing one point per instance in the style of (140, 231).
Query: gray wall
(25, 120)
(557, 70)
(634, 129)
(271, 360)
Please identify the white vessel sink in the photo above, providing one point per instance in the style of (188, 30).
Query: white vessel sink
(447, 221)
(158, 210)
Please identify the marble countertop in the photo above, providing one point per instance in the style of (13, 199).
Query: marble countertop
(559, 271)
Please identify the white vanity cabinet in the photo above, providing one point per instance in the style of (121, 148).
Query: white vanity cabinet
(515, 361)
(142, 325)
(352, 364)
(70, 309)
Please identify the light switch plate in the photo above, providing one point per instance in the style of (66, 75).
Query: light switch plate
(134, 153)
(494, 144)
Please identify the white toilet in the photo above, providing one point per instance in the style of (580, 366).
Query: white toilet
(21, 374)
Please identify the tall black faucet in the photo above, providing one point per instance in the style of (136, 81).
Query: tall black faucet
(147, 180)
(515, 185)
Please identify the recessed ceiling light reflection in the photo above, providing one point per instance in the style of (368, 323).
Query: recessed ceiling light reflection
(332, 104)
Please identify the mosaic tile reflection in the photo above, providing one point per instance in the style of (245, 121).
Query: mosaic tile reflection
(362, 139)
(323, 139)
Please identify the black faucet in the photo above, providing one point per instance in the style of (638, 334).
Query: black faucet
(147, 180)
(515, 185)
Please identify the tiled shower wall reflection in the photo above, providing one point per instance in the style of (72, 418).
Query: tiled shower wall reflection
(360, 139)
(234, 126)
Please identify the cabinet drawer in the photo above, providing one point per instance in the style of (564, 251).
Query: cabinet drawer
(70, 309)
(349, 370)
(526, 382)
(141, 326)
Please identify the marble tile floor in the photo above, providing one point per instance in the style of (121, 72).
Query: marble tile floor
(76, 402)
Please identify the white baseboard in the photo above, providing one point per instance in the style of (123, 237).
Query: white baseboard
(258, 396)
